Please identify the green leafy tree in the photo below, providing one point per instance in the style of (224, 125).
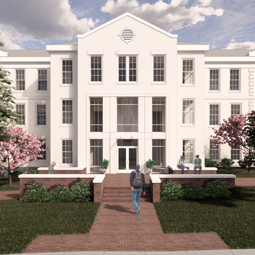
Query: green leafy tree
(8, 114)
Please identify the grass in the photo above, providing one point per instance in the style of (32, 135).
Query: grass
(4, 185)
(232, 219)
(239, 172)
(21, 222)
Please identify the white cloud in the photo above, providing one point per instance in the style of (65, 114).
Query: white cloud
(8, 43)
(32, 19)
(241, 45)
(172, 16)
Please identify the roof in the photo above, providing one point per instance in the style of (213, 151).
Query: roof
(227, 53)
(187, 43)
(27, 53)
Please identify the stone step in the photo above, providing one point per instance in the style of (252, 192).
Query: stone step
(120, 199)
(114, 195)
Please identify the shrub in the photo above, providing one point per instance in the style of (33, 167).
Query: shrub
(216, 189)
(36, 193)
(80, 192)
(60, 194)
(226, 163)
(211, 163)
(15, 176)
(32, 171)
(193, 192)
(171, 190)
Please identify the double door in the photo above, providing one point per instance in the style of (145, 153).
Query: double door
(127, 158)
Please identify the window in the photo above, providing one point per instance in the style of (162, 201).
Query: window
(67, 151)
(96, 114)
(158, 114)
(67, 70)
(187, 71)
(127, 142)
(127, 68)
(188, 150)
(20, 79)
(159, 68)
(235, 153)
(234, 79)
(159, 152)
(96, 68)
(214, 114)
(188, 112)
(214, 152)
(42, 79)
(127, 114)
(41, 114)
(235, 109)
(96, 153)
(20, 108)
(43, 153)
(214, 79)
(67, 111)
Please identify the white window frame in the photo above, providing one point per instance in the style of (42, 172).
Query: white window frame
(160, 146)
(96, 69)
(63, 112)
(239, 80)
(20, 80)
(92, 125)
(213, 80)
(193, 71)
(153, 69)
(214, 149)
(233, 104)
(22, 114)
(232, 152)
(62, 151)
(62, 71)
(192, 112)
(96, 146)
(37, 115)
(210, 114)
(160, 126)
(192, 140)
(127, 69)
(42, 90)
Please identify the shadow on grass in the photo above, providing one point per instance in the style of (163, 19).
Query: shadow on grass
(218, 202)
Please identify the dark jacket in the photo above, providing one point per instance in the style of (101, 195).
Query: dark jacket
(132, 177)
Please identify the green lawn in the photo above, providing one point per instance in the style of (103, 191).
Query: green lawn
(4, 185)
(232, 219)
(239, 172)
(21, 222)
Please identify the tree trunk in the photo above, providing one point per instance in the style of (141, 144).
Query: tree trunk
(10, 180)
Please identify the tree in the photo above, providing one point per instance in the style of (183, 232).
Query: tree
(238, 132)
(21, 149)
(8, 115)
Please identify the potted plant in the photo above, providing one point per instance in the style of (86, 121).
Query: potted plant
(105, 163)
(150, 163)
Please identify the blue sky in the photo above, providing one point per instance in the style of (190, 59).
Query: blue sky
(33, 24)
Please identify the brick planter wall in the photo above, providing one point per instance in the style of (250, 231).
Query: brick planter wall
(50, 183)
(192, 171)
(98, 192)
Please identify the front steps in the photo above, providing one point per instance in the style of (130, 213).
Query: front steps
(117, 188)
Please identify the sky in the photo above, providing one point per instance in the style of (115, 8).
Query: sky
(33, 24)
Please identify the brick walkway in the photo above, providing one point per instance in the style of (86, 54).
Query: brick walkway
(245, 182)
(9, 195)
(118, 228)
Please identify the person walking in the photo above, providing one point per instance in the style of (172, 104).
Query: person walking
(181, 165)
(137, 182)
(197, 164)
(51, 168)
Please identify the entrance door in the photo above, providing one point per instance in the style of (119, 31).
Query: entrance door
(127, 157)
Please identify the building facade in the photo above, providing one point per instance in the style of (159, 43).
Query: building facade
(128, 91)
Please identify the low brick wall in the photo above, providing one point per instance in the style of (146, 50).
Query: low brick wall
(192, 171)
(98, 188)
(51, 181)
(42, 170)
(157, 181)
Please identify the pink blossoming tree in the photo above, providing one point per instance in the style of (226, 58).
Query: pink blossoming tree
(234, 133)
(21, 149)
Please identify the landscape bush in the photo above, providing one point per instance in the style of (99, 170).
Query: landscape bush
(211, 163)
(15, 176)
(32, 171)
(171, 190)
(80, 192)
(193, 192)
(226, 163)
(60, 194)
(216, 189)
(36, 193)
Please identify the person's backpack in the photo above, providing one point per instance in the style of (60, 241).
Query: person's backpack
(138, 181)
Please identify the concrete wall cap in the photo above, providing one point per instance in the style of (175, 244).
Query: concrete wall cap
(62, 168)
(155, 178)
(198, 176)
(55, 176)
(99, 178)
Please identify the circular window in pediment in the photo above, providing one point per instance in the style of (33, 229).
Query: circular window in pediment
(127, 35)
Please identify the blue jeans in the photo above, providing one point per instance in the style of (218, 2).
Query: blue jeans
(195, 169)
(136, 195)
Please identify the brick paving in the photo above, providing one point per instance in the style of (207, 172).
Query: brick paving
(245, 182)
(9, 195)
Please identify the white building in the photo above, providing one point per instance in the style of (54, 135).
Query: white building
(128, 91)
